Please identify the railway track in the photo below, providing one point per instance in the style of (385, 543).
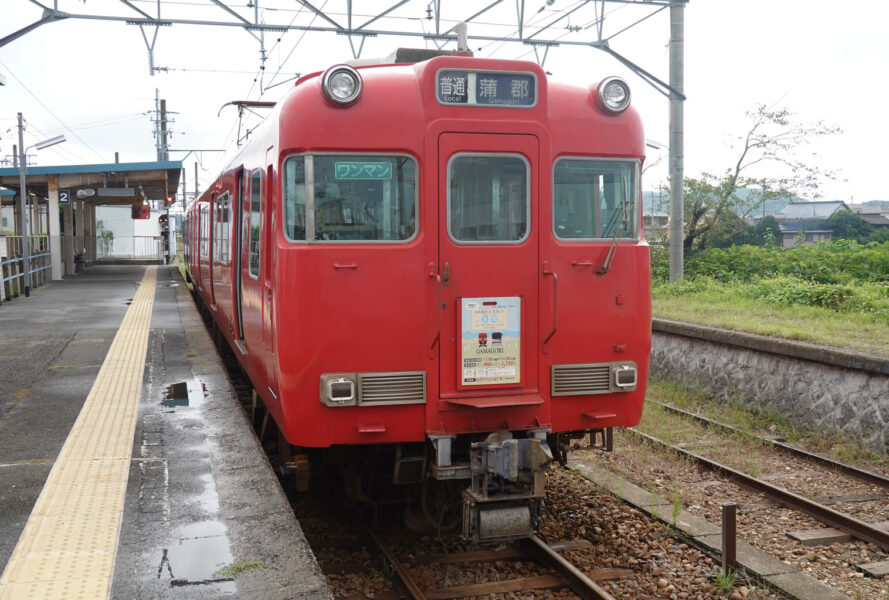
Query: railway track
(562, 573)
(825, 514)
(818, 459)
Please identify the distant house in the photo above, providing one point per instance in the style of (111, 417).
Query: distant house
(807, 222)
(7, 215)
(876, 213)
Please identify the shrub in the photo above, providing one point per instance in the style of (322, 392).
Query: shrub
(839, 262)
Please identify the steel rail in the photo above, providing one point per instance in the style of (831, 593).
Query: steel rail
(579, 583)
(534, 547)
(847, 523)
(851, 470)
(403, 576)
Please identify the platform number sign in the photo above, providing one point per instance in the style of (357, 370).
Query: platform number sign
(64, 197)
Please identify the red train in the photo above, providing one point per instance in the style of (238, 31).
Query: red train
(385, 223)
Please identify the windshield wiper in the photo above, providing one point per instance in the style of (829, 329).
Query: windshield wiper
(609, 256)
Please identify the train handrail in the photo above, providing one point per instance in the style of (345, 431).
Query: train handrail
(555, 277)
(435, 340)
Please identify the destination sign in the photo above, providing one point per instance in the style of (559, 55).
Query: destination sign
(363, 170)
(486, 88)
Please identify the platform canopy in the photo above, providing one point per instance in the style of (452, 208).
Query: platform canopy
(112, 183)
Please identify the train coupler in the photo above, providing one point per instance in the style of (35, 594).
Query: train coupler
(507, 488)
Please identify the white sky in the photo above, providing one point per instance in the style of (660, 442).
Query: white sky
(90, 79)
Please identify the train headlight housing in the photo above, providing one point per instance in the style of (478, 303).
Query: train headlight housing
(613, 95)
(339, 389)
(341, 85)
(624, 377)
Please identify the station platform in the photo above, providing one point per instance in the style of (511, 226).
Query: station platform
(127, 467)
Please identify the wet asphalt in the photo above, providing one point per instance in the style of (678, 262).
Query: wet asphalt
(201, 496)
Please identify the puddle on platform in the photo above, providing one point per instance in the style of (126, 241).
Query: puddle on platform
(198, 551)
(196, 558)
(208, 499)
(191, 393)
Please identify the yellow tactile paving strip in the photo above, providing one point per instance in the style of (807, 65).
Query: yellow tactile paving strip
(68, 546)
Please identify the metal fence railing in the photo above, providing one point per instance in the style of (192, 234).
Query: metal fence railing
(12, 264)
(131, 248)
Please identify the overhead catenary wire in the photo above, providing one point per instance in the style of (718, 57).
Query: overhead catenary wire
(47, 109)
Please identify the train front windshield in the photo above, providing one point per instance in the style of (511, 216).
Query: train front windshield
(361, 198)
(594, 199)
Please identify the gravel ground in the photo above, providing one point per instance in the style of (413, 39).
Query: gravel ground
(659, 565)
(761, 522)
(664, 566)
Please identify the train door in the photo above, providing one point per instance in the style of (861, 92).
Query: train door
(211, 245)
(488, 263)
(268, 274)
(268, 221)
(222, 280)
(251, 286)
(204, 266)
(237, 255)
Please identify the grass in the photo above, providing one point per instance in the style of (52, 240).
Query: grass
(724, 307)
(241, 566)
(725, 582)
(761, 421)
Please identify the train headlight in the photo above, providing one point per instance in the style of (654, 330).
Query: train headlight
(341, 84)
(624, 377)
(338, 389)
(613, 95)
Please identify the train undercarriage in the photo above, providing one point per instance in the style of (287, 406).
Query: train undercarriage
(489, 488)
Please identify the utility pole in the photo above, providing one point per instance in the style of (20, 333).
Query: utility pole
(161, 127)
(165, 146)
(23, 214)
(162, 135)
(677, 78)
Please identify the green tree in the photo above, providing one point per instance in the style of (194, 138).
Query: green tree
(848, 225)
(763, 233)
(714, 210)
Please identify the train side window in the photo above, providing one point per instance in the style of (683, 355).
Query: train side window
(205, 231)
(245, 212)
(295, 198)
(594, 199)
(488, 199)
(222, 239)
(255, 222)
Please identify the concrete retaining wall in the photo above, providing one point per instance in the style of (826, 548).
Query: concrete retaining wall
(812, 385)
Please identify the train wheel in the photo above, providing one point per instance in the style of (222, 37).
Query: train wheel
(442, 504)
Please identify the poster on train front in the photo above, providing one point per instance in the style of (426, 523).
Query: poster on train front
(491, 341)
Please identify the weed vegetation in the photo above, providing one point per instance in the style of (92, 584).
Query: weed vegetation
(835, 294)
(765, 422)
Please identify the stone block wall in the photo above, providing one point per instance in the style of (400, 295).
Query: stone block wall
(813, 386)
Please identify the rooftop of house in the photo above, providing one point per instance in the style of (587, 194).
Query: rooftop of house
(811, 210)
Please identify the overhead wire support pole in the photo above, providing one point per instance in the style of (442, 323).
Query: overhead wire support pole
(677, 138)
(664, 88)
(50, 16)
(23, 214)
(556, 20)
(137, 9)
(520, 16)
(321, 14)
(483, 11)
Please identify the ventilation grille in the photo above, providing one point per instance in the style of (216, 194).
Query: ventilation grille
(392, 388)
(577, 380)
